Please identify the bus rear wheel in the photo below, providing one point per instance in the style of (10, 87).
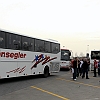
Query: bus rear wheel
(46, 72)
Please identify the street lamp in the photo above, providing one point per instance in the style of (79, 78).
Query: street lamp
(87, 53)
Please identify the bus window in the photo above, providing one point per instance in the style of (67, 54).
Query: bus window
(55, 48)
(65, 55)
(16, 42)
(2, 39)
(9, 40)
(95, 55)
(31, 44)
(26, 43)
(39, 45)
(47, 47)
(13, 41)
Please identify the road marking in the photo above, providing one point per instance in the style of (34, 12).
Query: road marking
(95, 77)
(50, 93)
(89, 76)
(78, 82)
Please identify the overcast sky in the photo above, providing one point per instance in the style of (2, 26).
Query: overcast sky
(73, 23)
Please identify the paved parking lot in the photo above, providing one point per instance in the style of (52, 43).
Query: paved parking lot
(56, 87)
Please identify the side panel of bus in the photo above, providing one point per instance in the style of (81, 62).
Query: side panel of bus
(23, 63)
(23, 55)
(6, 69)
(14, 66)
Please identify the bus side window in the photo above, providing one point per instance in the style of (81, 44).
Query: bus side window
(39, 45)
(31, 44)
(16, 42)
(2, 39)
(55, 48)
(47, 47)
(25, 43)
(9, 37)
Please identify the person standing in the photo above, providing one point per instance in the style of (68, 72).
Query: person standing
(72, 69)
(95, 66)
(85, 68)
(99, 68)
(88, 61)
(75, 68)
(81, 63)
(78, 67)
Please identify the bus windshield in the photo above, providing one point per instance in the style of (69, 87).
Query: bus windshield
(65, 55)
(95, 55)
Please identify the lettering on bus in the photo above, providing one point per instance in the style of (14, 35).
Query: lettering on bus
(12, 55)
(19, 70)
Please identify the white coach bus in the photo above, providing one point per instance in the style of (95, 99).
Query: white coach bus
(23, 55)
(65, 59)
(95, 54)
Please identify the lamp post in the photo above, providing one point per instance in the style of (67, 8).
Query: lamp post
(87, 53)
(63, 47)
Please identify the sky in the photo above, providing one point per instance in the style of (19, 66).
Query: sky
(75, 24)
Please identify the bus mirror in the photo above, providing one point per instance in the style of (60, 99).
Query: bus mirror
(69, 54)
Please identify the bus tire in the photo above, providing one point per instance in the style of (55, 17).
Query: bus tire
(46, 72)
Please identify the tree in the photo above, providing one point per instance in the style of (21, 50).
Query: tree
(81, 54)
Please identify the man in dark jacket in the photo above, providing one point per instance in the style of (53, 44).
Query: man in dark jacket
(75, 68)
(85, 68)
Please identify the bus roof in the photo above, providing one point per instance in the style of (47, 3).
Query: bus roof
(65, 49)
(94, 50)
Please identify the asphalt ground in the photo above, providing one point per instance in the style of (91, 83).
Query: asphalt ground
(59, 86)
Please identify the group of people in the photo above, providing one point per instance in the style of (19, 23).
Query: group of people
(80, 67)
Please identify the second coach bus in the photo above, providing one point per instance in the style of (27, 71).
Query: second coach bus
(95, 54)
(65, 59)
(23, 55)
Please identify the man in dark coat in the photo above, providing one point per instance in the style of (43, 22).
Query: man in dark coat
(75, 68)
(85, 68)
